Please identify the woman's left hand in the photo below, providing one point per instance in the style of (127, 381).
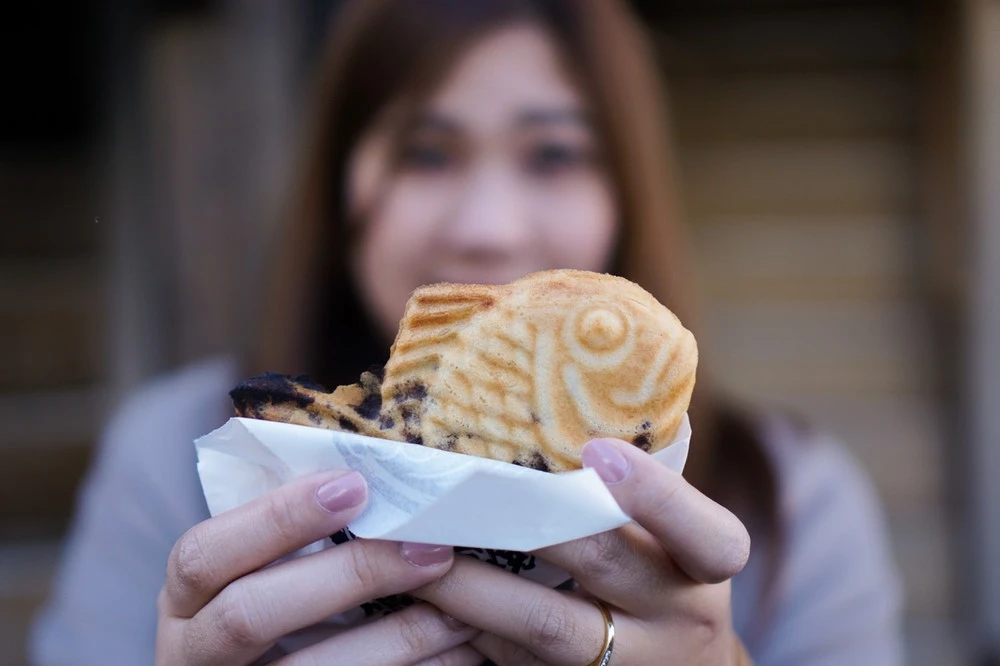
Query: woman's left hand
(665, 578)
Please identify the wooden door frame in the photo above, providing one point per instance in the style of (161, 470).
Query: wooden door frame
(981, 70)
(960, 209)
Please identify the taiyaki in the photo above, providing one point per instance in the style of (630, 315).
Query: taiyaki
(525, 372)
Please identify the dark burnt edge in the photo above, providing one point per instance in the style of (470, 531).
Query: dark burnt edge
(410, 415)
(643, 441)
(342, 536)
(536, 461)
(539, 462)
(412, 390)
(346, 424)
(370, 382)
(370, 407)
(511, 560)
(308, 382)
(269, 387)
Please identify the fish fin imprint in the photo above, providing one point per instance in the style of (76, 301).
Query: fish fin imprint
(434, 316)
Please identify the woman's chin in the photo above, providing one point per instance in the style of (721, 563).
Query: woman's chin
(482, 276)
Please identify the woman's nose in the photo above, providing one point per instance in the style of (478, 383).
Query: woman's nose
(490, 215)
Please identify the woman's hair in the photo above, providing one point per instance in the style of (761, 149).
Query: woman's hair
(394, 52)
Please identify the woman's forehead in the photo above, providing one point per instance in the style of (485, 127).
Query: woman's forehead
(511, 76)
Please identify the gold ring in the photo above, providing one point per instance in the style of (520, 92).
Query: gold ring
(604, 656)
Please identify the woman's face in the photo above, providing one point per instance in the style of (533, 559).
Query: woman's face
(498, 175)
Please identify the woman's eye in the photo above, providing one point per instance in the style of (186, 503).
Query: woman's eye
(426, 158)
(553, 158)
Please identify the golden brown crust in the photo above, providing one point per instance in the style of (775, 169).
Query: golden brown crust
(524, 373)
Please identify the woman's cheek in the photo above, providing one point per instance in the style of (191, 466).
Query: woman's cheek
(411, 214)
(418, 204)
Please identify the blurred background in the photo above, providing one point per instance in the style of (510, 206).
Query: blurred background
(840, 166)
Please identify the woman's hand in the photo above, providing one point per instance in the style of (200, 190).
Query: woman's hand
(665, 578)
(222, 604)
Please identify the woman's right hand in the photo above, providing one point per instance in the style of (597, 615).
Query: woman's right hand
(222, 604)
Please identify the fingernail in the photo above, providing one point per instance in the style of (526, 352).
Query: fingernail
(425, 554)
(605, 458)
(343, 493)
(453, 622)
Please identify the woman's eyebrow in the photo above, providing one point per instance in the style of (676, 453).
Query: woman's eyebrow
(532, 117)
(571, 115)
(429, 120)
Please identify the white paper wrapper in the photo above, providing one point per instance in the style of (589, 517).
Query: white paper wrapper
(417, 493)
(495, 511)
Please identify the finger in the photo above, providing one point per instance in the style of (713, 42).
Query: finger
(408, 636)
(503, 652)
(707, 541)
(463, 655)
(556, 627)
(249, 614)
(626, 567)
(219, 550)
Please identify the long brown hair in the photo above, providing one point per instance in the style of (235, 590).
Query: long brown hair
(382, 51)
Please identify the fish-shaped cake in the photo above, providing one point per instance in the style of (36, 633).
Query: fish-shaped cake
(525, 372)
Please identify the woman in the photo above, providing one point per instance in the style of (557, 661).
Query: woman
(472, 142)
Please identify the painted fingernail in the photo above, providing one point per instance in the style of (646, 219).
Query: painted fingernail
(343, 493)
(605, 458)
(424, 554)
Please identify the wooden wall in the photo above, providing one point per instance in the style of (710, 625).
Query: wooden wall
(801, 155)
